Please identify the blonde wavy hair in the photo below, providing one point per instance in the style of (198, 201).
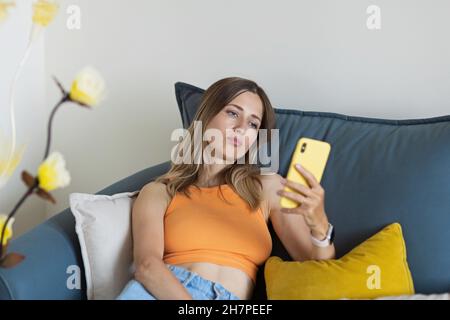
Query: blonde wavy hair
(242, 177)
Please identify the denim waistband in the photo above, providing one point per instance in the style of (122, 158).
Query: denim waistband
(209, 287)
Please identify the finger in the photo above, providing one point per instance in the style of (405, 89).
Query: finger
(299, 187)
(312, 181)
(292, 195)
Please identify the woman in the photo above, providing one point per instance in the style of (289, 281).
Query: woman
(200, 230)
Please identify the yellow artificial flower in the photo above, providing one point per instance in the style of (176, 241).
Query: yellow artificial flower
(7, 168)
(88, 88)
(8, 230)
(44, 11)
(4, 9)
(52, 173)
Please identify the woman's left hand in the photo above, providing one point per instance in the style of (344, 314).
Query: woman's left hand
(311, 201)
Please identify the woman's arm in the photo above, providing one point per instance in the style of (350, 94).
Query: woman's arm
(148, 245)
(312, 208)
(294, 227)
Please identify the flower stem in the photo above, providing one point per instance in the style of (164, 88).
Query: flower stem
(50, 123)
(29, 192)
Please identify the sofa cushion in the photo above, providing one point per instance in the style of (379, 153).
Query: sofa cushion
(379, 171)
(375, 268)
(103, 226)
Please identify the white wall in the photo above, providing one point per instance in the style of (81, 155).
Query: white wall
(311, 55)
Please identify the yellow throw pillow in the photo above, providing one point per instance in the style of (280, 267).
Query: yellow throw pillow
(375, 268)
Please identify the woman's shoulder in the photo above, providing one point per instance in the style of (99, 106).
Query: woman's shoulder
(270, 180)
(155, 185)
(156, 189)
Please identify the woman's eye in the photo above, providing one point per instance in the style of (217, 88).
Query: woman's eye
(254, 125)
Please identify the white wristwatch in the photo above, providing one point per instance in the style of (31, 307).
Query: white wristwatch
(328, 239)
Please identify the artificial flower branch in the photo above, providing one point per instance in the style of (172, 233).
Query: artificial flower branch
(87, 90)
(25, 176)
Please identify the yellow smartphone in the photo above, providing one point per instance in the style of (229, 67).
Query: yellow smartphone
(313, 155)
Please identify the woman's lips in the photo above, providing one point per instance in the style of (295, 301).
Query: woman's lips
(235, 141)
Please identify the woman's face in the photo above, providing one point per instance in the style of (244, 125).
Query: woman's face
(237, 123)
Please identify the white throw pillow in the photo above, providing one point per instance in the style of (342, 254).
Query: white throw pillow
(103, 226)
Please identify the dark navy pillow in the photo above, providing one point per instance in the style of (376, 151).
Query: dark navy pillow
(379, 172)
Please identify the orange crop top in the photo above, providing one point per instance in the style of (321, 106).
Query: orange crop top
(205, 228)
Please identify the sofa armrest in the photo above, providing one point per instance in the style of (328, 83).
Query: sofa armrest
(50, 249)
(53, 266)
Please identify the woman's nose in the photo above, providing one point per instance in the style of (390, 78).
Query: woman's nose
(239, 129)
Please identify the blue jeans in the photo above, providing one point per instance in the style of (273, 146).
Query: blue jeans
(198, 287)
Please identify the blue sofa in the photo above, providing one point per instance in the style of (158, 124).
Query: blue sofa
(379, 171)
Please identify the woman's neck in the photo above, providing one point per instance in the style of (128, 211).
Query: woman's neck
(208, 183)
(209, 175)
